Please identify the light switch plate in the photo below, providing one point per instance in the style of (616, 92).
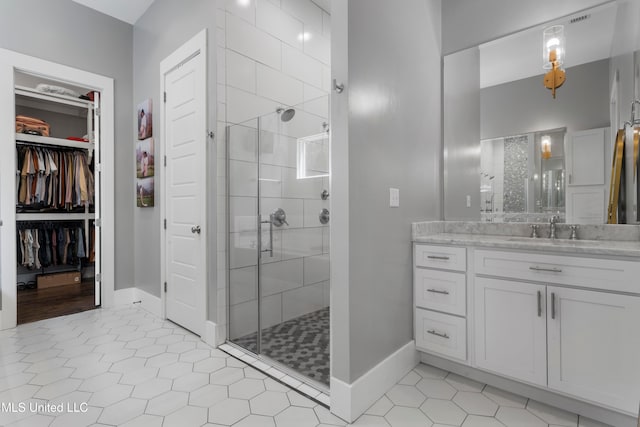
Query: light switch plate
(468, 201)
(394, 198)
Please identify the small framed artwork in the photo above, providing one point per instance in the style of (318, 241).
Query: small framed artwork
(145, 119)
(145, 193)
(145, 159)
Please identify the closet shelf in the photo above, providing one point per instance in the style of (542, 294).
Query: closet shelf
(56, 142)
(55, 216)
(53, 98)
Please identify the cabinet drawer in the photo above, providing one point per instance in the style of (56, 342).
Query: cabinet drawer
(445, 257)
(441, 333)
(440, 290)
(606, 274)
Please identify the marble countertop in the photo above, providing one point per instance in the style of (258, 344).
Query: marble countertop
(591, 247)
(611, 240)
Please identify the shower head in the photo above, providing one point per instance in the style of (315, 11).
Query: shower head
(286, 115)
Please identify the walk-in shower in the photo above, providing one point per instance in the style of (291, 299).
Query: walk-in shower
(278, 238)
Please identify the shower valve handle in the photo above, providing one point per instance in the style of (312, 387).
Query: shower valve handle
(278, 217)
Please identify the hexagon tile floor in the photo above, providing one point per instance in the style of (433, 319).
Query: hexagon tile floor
(125, 367)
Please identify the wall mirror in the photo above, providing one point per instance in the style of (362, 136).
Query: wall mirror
(513, 153)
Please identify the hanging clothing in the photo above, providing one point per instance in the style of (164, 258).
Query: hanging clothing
(45, 243)
(54, 178)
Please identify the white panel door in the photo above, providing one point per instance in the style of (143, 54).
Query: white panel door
(594, 348)
(185, 210)
(511, 337)
(586, 157)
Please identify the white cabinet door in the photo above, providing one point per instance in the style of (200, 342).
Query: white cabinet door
(594, 346)
(511, 329)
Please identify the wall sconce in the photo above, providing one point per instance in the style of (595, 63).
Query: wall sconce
(553, 53)
(545, 143)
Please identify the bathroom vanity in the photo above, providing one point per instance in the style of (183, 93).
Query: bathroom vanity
(555, 320)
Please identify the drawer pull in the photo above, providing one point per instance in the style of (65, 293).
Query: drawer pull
(553, 305)
(552, 270)
(436, 291)
(444, 258)
(433, 332)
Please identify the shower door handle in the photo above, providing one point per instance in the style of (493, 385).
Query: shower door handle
(270, 250)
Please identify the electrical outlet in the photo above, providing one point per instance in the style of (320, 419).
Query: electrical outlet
(394, 198)
(468, 201)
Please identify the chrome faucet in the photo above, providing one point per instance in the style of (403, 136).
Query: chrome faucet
(552, 226)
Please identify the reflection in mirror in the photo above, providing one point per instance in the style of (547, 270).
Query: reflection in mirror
(498, 88)
(522, 177)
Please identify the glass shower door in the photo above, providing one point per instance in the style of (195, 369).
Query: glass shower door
(279, 284)
(242, 234)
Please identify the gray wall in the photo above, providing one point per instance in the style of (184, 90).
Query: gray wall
(67, 33)
(166, 26)
(461, 108)
(466, 23)
(393, 139)
(525, 106)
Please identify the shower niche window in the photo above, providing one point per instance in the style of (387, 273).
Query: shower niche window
(278, 241)
(522, 177)
(313, 156)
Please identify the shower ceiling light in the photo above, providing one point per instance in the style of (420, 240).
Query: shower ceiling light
(553, 53)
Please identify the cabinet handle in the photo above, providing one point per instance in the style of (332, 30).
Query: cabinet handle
(552, 270)
(438, 257)
(436, 291)
(433, 332)
(539, 304)
(553, 305)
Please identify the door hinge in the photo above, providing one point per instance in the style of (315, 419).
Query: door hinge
(98, 222)
(165, 223)
(165, 161)
(165, 287)
(98, 111)
(98, 277)
(165, 96)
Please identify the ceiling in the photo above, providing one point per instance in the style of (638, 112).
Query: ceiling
(519, 55)
(125, 10)
(131, 10)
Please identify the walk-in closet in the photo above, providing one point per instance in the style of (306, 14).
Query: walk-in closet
(56, 145)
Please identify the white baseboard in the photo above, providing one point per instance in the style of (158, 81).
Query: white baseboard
(210, 333)
(349, 401)
(221, 334)
(151, 303)
(124, 296)
(148, 302)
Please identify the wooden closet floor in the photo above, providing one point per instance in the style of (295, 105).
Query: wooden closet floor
(40, 304)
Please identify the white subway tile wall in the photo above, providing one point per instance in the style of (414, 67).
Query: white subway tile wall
(272, 53)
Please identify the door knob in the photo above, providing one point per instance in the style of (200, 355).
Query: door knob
(195, 229)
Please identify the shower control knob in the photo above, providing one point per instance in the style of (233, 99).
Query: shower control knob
(324, 216)
(278, 217)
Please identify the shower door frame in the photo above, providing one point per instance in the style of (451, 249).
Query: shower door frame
(324, 388)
